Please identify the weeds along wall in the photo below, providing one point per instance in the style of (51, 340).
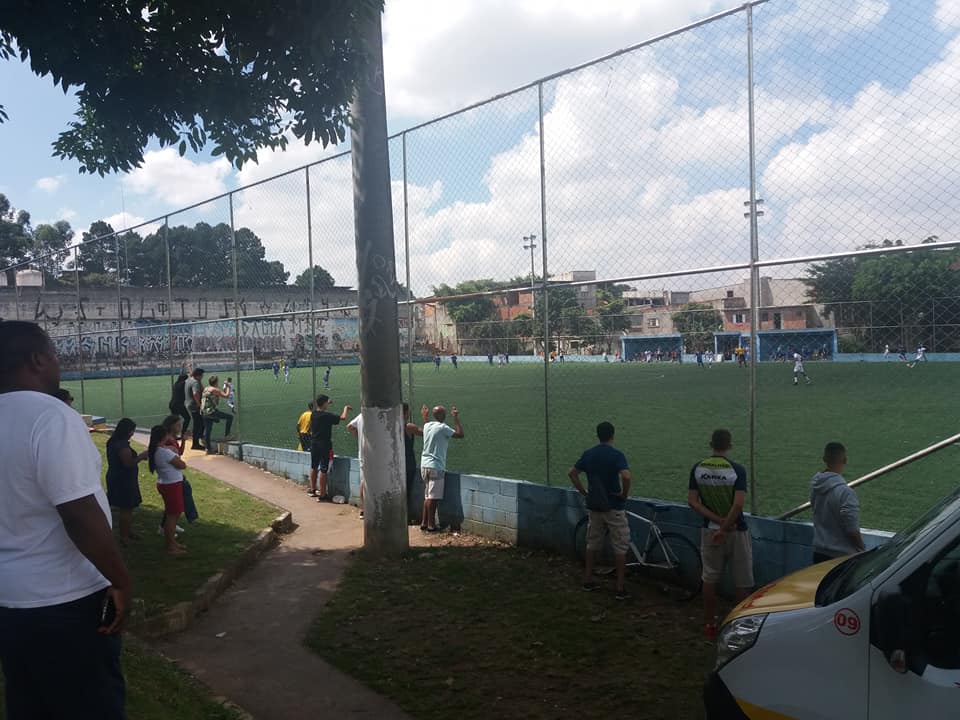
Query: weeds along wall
(780, 178)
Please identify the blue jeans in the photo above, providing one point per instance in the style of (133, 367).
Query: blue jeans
(58, 666)
(209, 420)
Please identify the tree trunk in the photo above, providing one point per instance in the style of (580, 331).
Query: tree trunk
(381, 443)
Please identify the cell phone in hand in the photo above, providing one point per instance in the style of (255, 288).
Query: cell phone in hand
(108, 612)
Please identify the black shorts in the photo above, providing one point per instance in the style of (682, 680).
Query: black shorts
(320, 458)
(57, 665)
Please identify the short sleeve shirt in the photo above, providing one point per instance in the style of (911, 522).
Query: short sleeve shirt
(167, 474)
(357, 423)
(717, 480)
(191, 386)
(321, 428)
(602, 465)
(436, 439)
(39, 564)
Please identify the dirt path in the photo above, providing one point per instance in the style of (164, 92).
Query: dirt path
(249, 646)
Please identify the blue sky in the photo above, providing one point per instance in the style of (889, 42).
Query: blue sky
(646, 154)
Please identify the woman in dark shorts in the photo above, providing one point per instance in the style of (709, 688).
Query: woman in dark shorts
(123, 486)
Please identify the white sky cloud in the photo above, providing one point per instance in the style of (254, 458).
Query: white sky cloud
(947, 14)
(178, 181)
(67, 214)
(50, 184)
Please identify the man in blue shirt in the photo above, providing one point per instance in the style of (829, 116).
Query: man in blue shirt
(608, 486)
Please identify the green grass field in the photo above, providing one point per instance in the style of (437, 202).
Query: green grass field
(663, 413)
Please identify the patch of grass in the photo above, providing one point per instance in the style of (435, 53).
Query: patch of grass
(229, 522)
(493, 631)
(158, 690)
(664, 414)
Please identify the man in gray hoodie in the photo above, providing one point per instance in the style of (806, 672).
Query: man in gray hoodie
(836, 510)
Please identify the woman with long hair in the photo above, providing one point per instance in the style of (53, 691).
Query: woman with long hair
(168, 466)
(123, 485)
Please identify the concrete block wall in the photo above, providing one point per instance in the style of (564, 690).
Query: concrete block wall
(539, 516)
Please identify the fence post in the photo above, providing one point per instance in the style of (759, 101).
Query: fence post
(546, 298)
(116, 245)
(411, 336)
(76, 281)
(313, 316)
(166, 250)
(754, 270)
(237, 394)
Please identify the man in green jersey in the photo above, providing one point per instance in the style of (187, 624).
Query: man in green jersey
(717, 491)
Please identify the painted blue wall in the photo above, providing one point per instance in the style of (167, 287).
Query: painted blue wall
(532, 515)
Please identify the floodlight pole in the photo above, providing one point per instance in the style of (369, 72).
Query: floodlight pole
(528, 244)
(754, 269)
(381, 440)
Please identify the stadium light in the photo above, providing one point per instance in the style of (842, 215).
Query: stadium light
(528, 244)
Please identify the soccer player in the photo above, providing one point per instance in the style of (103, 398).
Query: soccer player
(276, 371)
(228, 389)
(699, 358)
(798, 369)
(921, 355)
(326, 378)
(901, 353)
(710, 358)
(886, 351)
(453, 359)
(286, 372)
(436, 362)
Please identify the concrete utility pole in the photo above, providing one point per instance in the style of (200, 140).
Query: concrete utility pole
(381, 442)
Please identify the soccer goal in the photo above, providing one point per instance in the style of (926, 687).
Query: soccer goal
(222, 360)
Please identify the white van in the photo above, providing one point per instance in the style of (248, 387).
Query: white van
(874, 636)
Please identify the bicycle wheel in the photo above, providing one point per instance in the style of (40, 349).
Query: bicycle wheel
(580, 538)
(681, 568)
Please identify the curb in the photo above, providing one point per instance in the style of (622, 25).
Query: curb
(179, 617)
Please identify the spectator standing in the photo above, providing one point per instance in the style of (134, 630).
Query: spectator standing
(192, 395)
(410, 431)
(64, 589)
(608, 487)
(211, 414)
(836, 509)
(173, 427)
(717, 491)
(303, 428)
(321, 444)
(355, 428)
(123, 482)
(433, 460)
(169, 468)
(177, 402)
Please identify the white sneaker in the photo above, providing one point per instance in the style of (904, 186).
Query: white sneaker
(175, 532)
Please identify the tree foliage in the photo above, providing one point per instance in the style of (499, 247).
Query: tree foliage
(697, 322)
(242, 75)
(14, 234)
(322, 280)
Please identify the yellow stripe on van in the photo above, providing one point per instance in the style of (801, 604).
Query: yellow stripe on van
(755, 712)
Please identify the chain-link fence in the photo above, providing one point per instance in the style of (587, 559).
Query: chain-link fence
(661, 238)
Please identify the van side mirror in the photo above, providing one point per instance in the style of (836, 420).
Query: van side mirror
(891, 629)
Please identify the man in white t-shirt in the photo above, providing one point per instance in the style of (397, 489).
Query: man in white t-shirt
(433, 460)
(64, 589)
(355, 428)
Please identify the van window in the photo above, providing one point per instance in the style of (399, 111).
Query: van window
(940, 610)
(857, 571)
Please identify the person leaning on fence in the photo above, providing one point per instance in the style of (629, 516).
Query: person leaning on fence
(321, 444)
(717, 491)
(211, 413)
(64, 589)
(192, 395)
(303, 428)
(836, 509)
(608, 487)
(433, 460)
(177, 402)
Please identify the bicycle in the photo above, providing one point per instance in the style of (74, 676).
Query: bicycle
(666, 556)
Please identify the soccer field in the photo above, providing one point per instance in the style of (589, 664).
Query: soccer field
(663, 413)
